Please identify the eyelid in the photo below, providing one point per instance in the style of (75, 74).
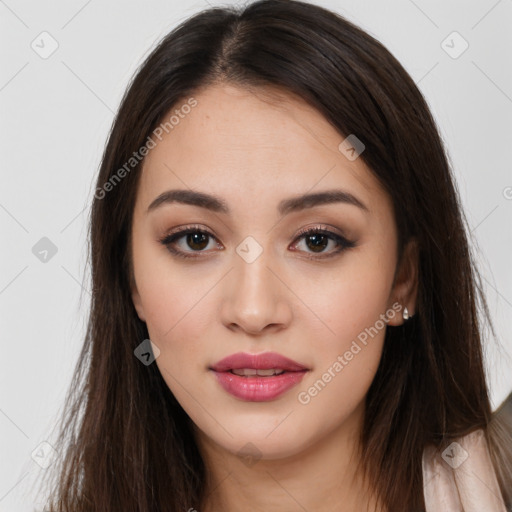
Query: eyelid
(319, 228)
(195, 228)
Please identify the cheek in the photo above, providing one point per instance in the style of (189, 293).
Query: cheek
(348, 344)
(347, 301)
(174, 319)
(171, 298)
(168, 292)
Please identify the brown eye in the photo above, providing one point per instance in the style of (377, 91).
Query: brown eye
(197, 240)
(317, 240)
(186, 242)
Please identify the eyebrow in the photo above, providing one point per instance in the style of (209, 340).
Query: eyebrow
(292, 204)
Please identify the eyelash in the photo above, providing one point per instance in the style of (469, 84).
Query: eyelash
(170, 238)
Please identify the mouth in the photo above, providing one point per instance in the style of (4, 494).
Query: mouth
(253, 372)
(258, 377)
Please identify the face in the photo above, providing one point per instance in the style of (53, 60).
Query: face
(242, 269)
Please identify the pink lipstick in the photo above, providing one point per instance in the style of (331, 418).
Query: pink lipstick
(258, 377)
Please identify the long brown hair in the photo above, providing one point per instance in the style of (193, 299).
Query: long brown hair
(127, 442)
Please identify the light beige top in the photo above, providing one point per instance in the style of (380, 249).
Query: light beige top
(461, 478)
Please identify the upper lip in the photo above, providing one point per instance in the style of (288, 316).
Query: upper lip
(264, 361)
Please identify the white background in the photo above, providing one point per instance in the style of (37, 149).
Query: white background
(55, 116)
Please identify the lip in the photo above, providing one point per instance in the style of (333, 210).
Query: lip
(263, 361)
(258, 389)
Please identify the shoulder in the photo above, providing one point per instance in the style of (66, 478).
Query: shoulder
(461, 477)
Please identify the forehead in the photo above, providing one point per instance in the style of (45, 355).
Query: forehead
(252, 144)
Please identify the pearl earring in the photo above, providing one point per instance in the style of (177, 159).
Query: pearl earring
(405, 314)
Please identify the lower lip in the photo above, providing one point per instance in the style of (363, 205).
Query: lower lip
(258, 389)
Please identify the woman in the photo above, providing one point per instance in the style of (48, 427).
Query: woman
(284, 311)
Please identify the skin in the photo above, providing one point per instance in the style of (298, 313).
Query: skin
(253, 150)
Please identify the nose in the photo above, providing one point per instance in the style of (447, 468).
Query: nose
(255, 298)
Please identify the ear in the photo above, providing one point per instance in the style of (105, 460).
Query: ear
(137, 301)
(405, 285)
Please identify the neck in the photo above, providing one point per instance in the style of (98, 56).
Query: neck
(320, 476)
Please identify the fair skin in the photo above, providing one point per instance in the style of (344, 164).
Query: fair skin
(253, 153)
